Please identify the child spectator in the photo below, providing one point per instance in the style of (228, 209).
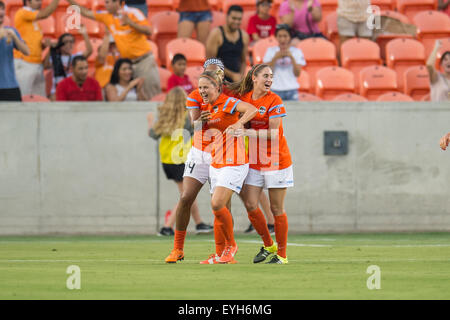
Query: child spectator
(122, 86)
(9, 39)
(262, 24)
(60, 57)
(286, 62)
(172, 116)
(106, 59)
(179, 78)
(79, 87)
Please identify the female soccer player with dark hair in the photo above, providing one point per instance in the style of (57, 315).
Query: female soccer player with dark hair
(270, 160)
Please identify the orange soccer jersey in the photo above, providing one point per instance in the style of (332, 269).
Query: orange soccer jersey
(226, 150)
(195, 101)
(30, 30)
(273, 154)
(130, 43)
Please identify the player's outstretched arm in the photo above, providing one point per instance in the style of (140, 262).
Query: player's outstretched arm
(48, 10)
(445, 140)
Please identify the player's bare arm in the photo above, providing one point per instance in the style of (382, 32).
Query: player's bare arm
(445, 140)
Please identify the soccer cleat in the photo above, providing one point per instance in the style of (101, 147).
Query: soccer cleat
(228, 254)
(276, 259)
(264, 252)
(166, 231)
(212, 259)
(174, 256)
(203, 228)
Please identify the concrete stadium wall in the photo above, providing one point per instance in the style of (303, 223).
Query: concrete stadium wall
(85, 169)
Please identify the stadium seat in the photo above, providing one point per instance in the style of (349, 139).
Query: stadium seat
(94, 29)
(350, 97)
(384, 4)
(81, 47)
(63, 18)
(318, 53)
(333, 81)
(216, 5)
(445, 47)
(402, 54)
(384, 38)
(247, 5)
(275, 8)
(304, 96)
(304, 82)
(48, 27)
(260, 47)
(377, 80)
(193, 50)
(159, 97)
(164, 76)
(411, 7)
(328, 7)
(155, 6)
(426, 97)
(331, 29)
(218, 19)
(11, 7)
(34, 98)
(246, 18)
(395, 96)
(155, 51)
(358, 53)
(416, 82)
(431, 25)
(165, 29)
(194, 73)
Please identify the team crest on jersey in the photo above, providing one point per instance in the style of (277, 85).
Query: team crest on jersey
(278, 110)
(262, 110)
(215, 109)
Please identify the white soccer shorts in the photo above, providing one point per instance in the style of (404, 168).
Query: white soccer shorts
(271, 179)
(228, 177)
(197, 165)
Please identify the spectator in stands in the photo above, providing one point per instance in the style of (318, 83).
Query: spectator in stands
(122, 86)
(444, 6)
(229, 43)
(179, 78)
(60, 57)
(303, 17)
(286, 62)
(79, 87)
(106, 59)
(262, 24)
(9, 39)
(352, 20)
(130, 29)
(29, 69)
(445, 140)
(440, 82)
(138, 4)
(194, 14)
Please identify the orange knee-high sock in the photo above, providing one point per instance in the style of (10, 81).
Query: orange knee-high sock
(219, 236)
(258, 221)
(281, 233)
(224, 216)
(179, 239)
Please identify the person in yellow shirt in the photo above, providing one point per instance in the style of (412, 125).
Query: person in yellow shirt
(29, 69)
(129, 28)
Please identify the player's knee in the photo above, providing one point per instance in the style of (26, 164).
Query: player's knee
(251, 205)
(217, 204)
(186, 200)
(276, 209)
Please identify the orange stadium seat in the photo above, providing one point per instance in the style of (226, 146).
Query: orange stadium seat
(246, 18)
(63, 17)
(260, 47)
(165, 29)
(402, 54)
(328, 7)
(331, 29)
(318, 53)
(155, 6)
(350, 97)
(358, 53)
(159, 97)
(96, 43)
(94, 29)
(164, 76)
(411, 7)
(384, 4)
(426, 98)
(194, 73)
(333, 81)
(304, 82)
(11, 7)
(417, 82)
(247, 5)
(218, 19)
(193, 50)
(48, 27)
(377, 80)
(445, 47)
(304, 96)
(275, 8)
(216, 5)
(394, 96)
(34, 98)
(431, 25)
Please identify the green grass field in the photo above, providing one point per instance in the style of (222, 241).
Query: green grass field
(413, 266)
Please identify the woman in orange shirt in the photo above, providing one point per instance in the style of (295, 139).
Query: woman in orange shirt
(270, 160)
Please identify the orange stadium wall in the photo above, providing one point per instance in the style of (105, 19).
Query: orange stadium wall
(91, 169)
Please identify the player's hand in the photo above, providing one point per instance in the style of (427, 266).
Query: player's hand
(205, 116)
(445, 140)
(234, 128)
(5, 33)
(125, 18)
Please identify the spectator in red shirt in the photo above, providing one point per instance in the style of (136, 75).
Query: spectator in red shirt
(79, 87)
(262, 24)
(179, 78)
